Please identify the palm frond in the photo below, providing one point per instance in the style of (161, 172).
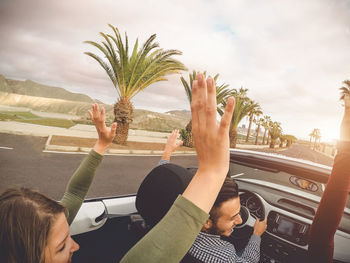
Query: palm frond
(108, 69)
(222, 91)
(243, 106)
(146, 65)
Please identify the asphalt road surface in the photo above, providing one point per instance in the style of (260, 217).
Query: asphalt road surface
(302, 152)
(23, 163)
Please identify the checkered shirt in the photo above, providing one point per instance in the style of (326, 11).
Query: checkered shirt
(210, 248)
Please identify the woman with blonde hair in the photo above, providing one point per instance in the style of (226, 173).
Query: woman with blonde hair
(33, 227)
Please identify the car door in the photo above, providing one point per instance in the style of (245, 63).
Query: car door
(106, 229)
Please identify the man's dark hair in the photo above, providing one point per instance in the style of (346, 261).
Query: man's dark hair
(229, 190)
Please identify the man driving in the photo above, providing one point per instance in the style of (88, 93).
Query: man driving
(224, 216)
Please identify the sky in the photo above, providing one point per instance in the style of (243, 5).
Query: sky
(291, 55)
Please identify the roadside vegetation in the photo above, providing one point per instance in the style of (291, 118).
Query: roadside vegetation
(29, 117)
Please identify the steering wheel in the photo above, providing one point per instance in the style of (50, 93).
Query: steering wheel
(242, 232)
(248, 218)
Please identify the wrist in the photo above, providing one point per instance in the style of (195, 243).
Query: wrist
(257, 233)
(166, 156)
(100, 147)
(213, 171)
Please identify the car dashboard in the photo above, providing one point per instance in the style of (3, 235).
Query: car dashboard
(289, 198)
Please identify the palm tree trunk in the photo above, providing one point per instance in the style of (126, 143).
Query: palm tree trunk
(315, 143)
(249, 126)
(268, 137)
(310, 141)
(257, 135)
(272, 144)
(121, 133)
(123, 112)
(189, 140)
(264, 136)
(233, 137)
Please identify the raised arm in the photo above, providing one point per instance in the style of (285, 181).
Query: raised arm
(333, 201)
(171, 145)
(212, 142)
(172, 237)
(82, 178)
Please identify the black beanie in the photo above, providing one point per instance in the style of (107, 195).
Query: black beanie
(159, 190)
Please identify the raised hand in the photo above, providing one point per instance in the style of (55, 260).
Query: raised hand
(211, 138)
(211, 141)
(105, 135)
(171, 145)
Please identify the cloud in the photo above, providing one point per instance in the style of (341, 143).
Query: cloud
(291, 55)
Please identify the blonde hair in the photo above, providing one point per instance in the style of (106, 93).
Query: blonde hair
(26, 217)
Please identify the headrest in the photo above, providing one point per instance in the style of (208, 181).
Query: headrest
(159, 190)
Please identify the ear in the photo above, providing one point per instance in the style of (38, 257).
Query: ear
(208, 224)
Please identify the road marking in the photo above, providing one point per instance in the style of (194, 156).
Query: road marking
(236, 175)
(6, 148)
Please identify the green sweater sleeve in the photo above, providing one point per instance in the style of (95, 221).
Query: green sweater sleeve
(79, 184)
(172, 237)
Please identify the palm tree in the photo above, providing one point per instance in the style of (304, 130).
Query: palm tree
(132, 74)
(242, 107)
(317, 136)
(222, 93)
(275, 130)
(290, 139)
(242, 92)
(346, 89)
(256, 112)
(258, 122)
(282, 138)
(265, 124)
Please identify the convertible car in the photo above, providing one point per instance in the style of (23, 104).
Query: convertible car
(285, 190)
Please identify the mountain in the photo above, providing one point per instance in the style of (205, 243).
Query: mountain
(38, 97)
(149, 120)
(180, 113)
(31, 88)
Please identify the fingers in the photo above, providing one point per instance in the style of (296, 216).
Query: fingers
(226, 118)
(95, 109)
(194, 111)
(94, 112)
(113, 129)
(202, 102)
(90, 113)
(211, 103)
(173, 136)
(103, 113)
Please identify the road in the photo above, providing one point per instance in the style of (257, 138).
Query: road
(302, 152)
(23, 163)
